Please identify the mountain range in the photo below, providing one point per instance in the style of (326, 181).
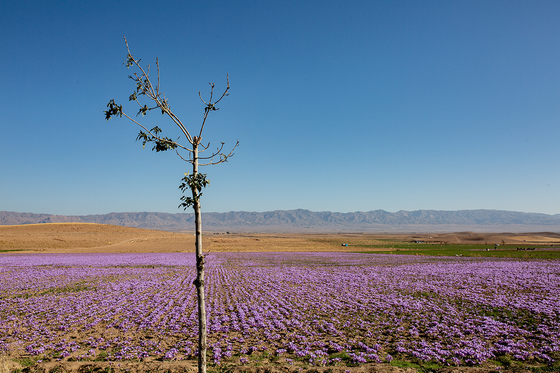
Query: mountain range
(309, 221)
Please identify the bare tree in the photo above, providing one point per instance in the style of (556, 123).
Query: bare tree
(193, 182)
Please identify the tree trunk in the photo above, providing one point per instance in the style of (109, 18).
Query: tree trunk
(199, 282)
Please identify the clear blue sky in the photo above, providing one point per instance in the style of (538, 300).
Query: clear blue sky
(338, 105)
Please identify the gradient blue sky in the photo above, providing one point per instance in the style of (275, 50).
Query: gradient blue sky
(338, 105)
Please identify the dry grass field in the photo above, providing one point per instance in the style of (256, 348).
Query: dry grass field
(98, 238)
(82, 238)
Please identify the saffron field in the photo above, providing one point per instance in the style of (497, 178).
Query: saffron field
(317, 309)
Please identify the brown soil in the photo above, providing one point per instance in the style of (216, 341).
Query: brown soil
(191, 366)
(83, 237)
(540, 238)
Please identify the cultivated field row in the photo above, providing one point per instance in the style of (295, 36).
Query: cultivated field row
(318, 309)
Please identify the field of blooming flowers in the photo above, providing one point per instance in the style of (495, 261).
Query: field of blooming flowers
(317, 309)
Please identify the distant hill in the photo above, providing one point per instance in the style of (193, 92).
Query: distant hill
(309, 221)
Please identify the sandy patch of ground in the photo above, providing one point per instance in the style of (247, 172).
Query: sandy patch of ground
(82, 237)
(540, 239)
(191, 366)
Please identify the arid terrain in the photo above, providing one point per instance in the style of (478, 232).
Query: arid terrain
(84, 237)
(69, 238)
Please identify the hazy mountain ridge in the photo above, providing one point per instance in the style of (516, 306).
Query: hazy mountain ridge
(309, 221)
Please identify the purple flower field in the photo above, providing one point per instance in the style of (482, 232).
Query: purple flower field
(319, 308)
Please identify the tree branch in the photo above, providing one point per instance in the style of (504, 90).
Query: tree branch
(212, 106)
(161, 139)
(143, 82)
(145, 87)
(223, 157)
